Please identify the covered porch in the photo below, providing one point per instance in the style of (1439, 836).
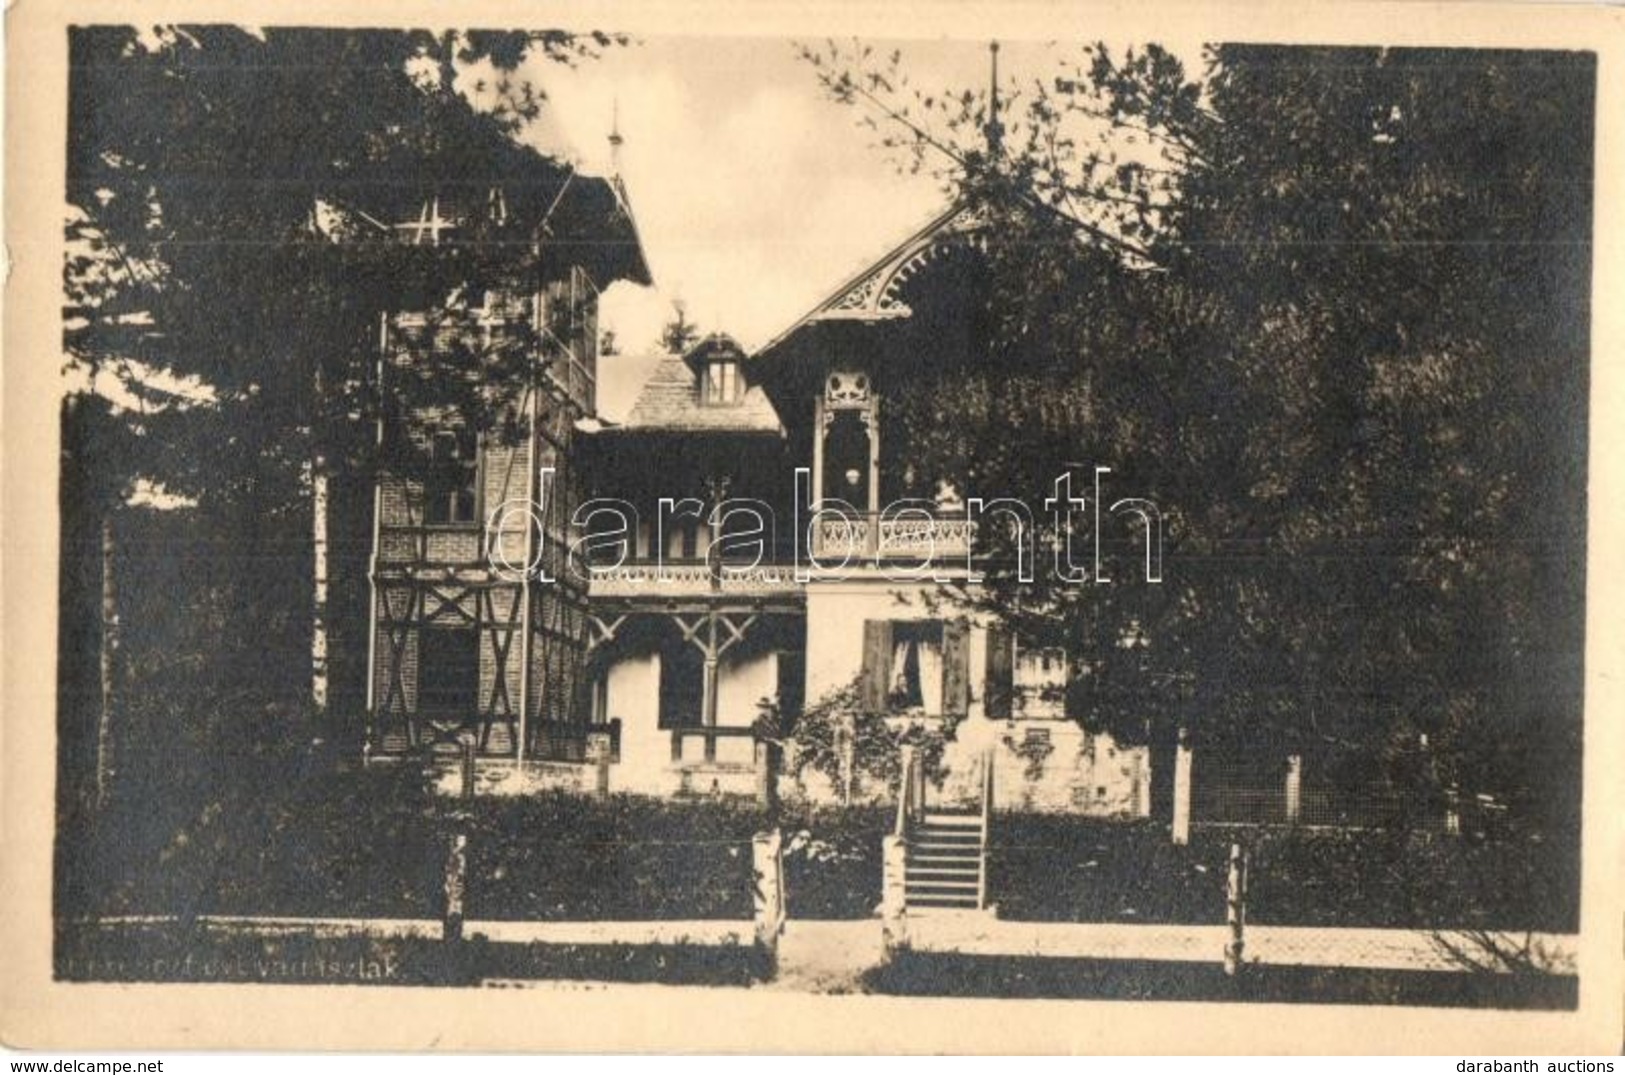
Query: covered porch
(685, 681)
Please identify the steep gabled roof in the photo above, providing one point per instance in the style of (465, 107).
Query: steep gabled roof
(873, 294)
(670, 403)
(484, 188)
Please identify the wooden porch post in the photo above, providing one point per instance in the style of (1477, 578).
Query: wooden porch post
(708, 704)
(703, 633)
(872, 427)
(818, 450)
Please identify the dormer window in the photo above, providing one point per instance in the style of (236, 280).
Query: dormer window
(722, 382)
(719, 364)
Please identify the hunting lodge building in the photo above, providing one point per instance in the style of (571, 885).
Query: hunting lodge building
(661, 659)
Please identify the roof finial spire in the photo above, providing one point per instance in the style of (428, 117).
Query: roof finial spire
(615, 139)
(995, 129)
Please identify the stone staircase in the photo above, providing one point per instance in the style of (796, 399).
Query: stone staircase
(939, 854)
(947, 862)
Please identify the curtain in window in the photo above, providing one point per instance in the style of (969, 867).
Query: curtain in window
(904, 689)
(916, 674)
(930, 657)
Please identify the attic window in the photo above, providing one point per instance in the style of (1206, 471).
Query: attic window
(722, 382)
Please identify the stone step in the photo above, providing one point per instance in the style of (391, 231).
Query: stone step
(968, 902)
(933, 887)
(958, 821)
(929, 876)
(949, 866)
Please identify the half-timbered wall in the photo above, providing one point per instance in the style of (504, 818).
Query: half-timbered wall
(469, 574)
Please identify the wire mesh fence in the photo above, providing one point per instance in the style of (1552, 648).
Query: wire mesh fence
(1352, 791)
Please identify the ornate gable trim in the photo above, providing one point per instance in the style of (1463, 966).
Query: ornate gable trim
(875, 294)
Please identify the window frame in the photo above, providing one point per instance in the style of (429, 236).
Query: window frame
(468, 708)
(953, 657)
(476, 483)
(1025, 697)
(722, 383)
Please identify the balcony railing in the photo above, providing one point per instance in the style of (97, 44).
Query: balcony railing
(563, 742)
(691, 577)
(909, 536)
(700, 744)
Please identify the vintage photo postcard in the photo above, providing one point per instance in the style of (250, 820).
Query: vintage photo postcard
(909, 528)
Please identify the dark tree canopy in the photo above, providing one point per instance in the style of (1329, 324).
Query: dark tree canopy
(217, 177)
(238, 201)
(1327, 308)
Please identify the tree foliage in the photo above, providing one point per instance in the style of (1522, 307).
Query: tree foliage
(1327, 309)
(233, 242)
(837, 735)
(199, 165)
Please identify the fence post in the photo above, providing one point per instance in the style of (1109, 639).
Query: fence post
(893, 910)
(1142, 784)
(1235, 910)
(905, 788)
(767, 863)
(1294, 787)
(1182, 791)
(599, 749)
(766, 778)
(456, 888)
(466, 741)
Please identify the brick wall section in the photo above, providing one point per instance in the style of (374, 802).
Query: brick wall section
(507, 471)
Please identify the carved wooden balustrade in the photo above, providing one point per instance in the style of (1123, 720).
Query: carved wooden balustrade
(909, 536)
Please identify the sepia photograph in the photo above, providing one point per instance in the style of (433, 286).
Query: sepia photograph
(1087, 514)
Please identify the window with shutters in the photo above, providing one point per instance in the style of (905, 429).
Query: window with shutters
(915, 666)
(914, 675)
(1029, 683)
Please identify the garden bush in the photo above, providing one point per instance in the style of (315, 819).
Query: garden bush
(1058, 868)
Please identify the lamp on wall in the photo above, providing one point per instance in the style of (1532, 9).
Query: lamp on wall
(852, 476)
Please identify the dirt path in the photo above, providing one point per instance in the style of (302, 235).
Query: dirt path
(827, 957)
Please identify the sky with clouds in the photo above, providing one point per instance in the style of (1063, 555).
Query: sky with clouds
(755, 195)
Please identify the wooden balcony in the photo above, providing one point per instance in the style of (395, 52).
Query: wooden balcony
(910, 537)
(692, 578)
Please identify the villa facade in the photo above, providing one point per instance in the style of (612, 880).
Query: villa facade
(755, 545)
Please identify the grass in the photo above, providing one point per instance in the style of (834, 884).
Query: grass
(174, 953)
(372, 843)
(937, 975)
(1049, 868)
(302, 837)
